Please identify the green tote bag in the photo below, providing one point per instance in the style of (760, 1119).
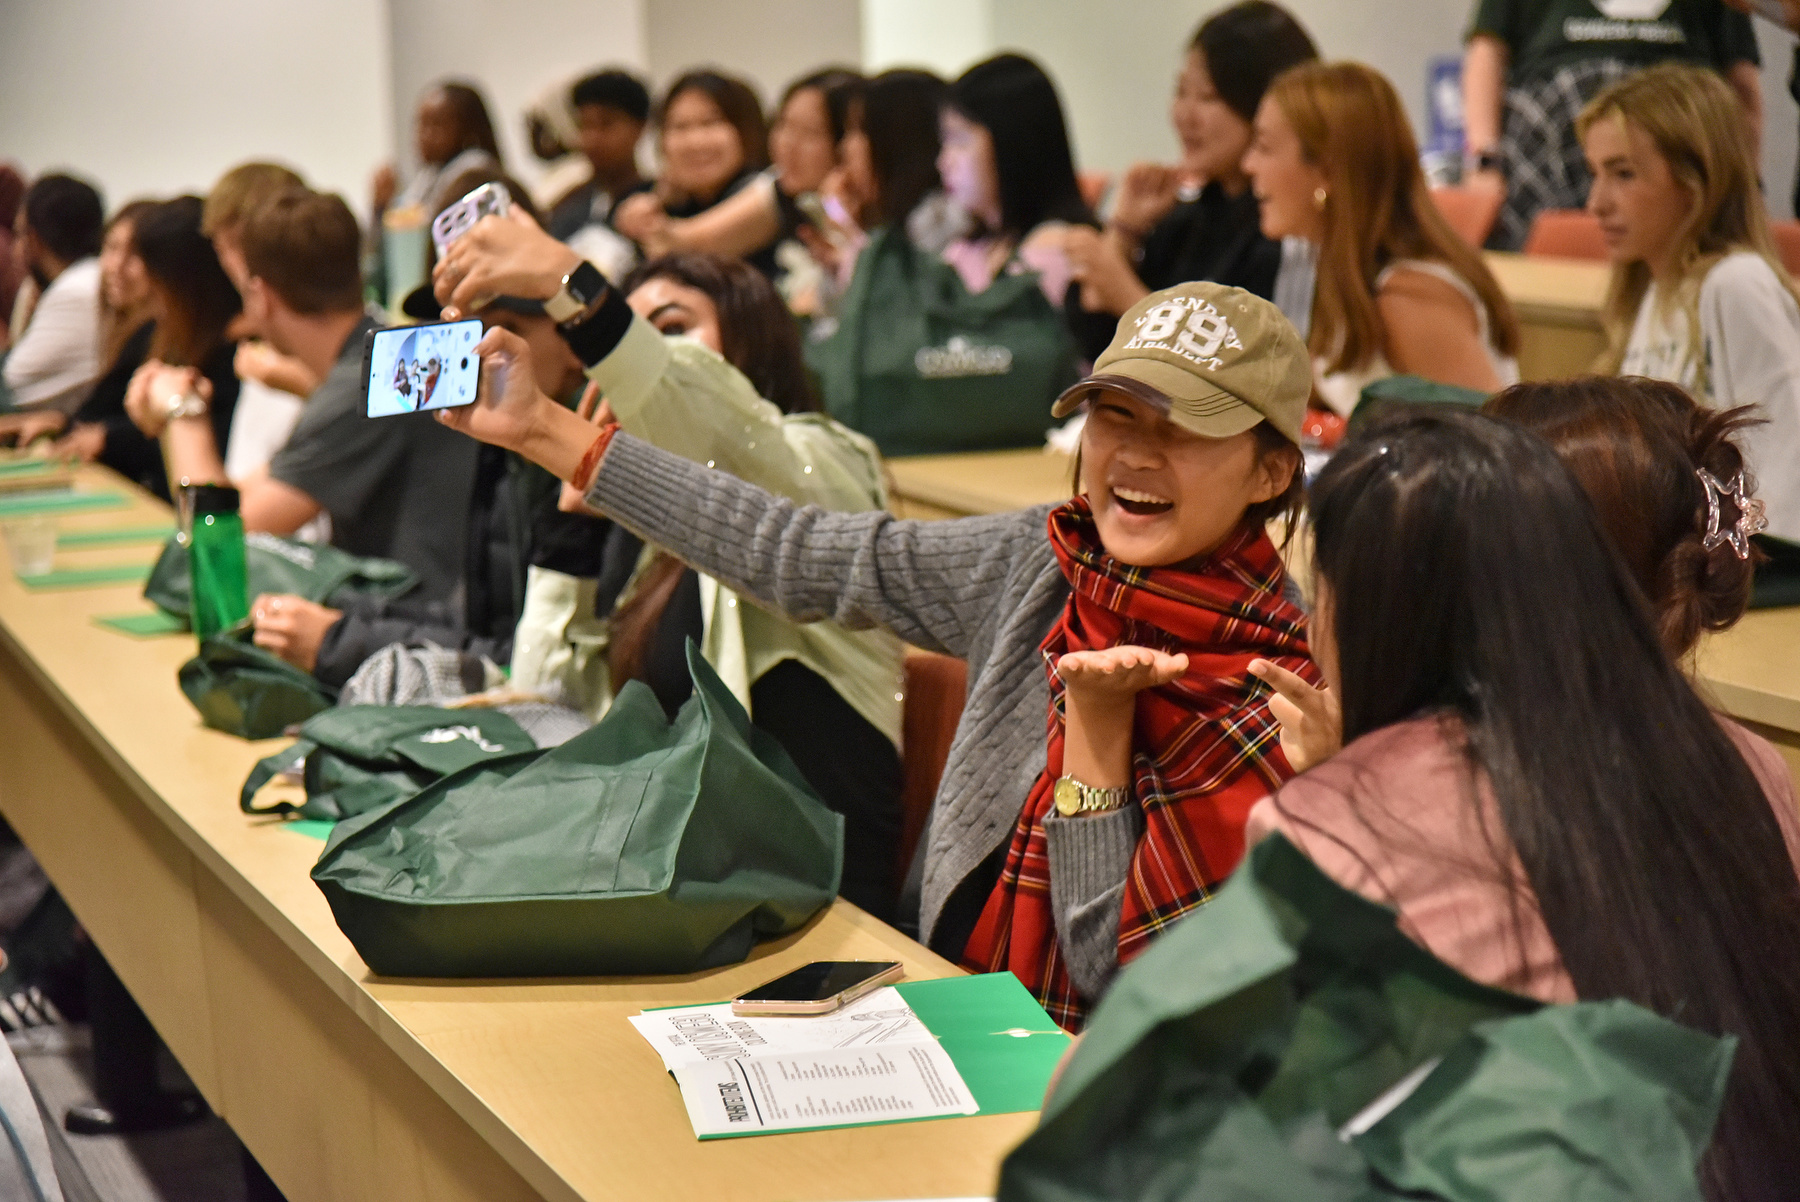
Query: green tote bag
(281, 565)
(641, 846)
(923, 366)
(356, 758)
(1288, 1042)
(243, 690)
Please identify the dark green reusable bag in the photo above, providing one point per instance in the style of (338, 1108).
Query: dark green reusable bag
(1395, 393)
(357, 758)
(243, 690)
(281, 565)
(642, 846)
(923, 366)
(1257, 1051)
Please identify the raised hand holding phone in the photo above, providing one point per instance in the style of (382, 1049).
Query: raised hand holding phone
(501, 256)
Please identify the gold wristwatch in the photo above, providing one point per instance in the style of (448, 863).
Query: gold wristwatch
(1072, 798)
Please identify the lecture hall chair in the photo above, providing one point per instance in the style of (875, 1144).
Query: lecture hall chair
(936, 686)
(1787, 244)
(1566, 234)
(1471, 212)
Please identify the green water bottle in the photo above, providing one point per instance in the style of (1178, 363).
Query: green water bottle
(221, 597)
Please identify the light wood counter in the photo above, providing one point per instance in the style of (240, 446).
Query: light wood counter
(1752, 672)
(1558, 302)
(940, 486)
(344, 1085)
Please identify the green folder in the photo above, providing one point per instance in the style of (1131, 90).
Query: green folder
(114, 536)
(1002, 1042)
(116, 573)
(145, 625)
(27, 467)
(61, 501)
(311, 828)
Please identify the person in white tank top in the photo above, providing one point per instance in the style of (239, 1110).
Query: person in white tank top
(1332, 160)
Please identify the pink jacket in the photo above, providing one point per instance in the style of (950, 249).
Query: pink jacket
(1415, 844)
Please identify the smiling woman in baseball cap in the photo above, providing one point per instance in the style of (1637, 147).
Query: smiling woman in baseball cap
(1131, 626)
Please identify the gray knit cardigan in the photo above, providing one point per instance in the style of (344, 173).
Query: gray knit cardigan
(984, 589)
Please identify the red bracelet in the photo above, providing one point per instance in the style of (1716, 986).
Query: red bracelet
(590, 462)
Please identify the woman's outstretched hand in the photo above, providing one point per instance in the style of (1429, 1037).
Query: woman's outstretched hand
(508, 403)
(500, 256)
(1311, 717)
(1119, 673)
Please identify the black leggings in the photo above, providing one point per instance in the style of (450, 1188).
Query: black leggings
(852, 766)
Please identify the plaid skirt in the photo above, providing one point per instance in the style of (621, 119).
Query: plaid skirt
(1539, 151)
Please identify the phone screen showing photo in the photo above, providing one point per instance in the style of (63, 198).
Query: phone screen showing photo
(413, 368)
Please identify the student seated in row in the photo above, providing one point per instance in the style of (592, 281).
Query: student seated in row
(698, 355)
(56, 359)
(1199, 220)
(611, 109)
(1699, 296)
(1333, 160)
(1528, 778)
(1126, 616)
(1006, 161)
(395, 487)
(809, 124)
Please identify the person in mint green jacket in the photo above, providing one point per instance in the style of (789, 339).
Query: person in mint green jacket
(706, 363)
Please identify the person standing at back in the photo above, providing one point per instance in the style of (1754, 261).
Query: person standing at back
(1530, 65)
(57, 357)
(396, 486)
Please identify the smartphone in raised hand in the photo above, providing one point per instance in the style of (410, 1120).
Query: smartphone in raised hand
(409, 369)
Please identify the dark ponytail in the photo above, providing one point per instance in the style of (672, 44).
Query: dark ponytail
(1636, 446)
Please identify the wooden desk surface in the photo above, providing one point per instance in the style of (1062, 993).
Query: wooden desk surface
(1565, 291)
(980, 482)
(345, 1085)
(1753, 669)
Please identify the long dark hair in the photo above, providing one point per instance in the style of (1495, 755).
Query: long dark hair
(1636, 447)
(1012, 98)
(1245, 46)
(1470, 578)
(838, 87)
(199, 300)
(474, 127)
(898, 113)
(757, 334)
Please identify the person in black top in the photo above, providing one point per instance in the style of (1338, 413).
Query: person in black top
(714, 143)
(1197, 220)
(611, 110)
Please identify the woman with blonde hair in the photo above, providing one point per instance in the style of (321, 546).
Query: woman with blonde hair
(1333, 160)
(1699, 296)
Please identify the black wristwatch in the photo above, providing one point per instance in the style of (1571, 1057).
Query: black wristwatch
(581, 290)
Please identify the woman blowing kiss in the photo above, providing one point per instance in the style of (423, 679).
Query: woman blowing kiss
(1125, 635)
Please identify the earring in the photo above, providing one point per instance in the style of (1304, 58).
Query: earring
(1319, 198)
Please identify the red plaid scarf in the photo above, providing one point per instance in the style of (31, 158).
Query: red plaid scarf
(1204, 748)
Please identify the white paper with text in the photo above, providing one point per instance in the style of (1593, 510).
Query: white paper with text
(699, 1034)
(841, 1087)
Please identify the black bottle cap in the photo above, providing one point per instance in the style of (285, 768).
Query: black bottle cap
(214, 498)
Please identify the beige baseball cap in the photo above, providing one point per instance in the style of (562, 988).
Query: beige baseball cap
(1217, 360)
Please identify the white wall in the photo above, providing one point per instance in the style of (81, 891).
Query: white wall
(158, 98)
(942, 35)
(770, 43)
(512, 51)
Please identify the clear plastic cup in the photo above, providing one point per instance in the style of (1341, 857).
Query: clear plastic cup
(31, 542)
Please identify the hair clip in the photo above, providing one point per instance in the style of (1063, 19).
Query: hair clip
(1750, 519)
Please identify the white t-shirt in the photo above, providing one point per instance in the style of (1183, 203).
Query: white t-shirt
(1749, 355)
(57, 358)
(260, 426)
